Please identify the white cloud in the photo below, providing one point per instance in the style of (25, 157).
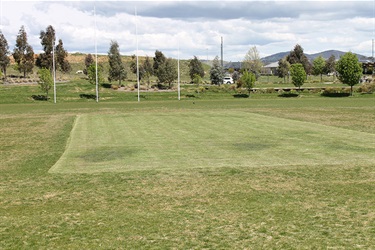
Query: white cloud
(196, 26)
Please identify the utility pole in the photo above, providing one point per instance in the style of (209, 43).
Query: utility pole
(373, 66)
(222, 60)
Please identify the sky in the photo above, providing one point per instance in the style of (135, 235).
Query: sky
(194, 28)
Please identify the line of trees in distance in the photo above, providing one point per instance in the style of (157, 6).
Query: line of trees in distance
(26, 59)
(319, 65)
(296, 64)
(348, 69)
(163, 68)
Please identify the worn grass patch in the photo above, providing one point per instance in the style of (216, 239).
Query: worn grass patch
(183, 140)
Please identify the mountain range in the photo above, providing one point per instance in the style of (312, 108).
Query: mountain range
(325, 54)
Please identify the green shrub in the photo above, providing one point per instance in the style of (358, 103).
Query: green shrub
(331, 90)
(289, 94)
(270, 90)
(345, 90)
(314, 91)
(215, 89)
(262, 91)
(239, 90)
(241, 95)
(368, 87)
(225, 88)
(239, 83)
(336, 92)
(232, 87)
(200, 90)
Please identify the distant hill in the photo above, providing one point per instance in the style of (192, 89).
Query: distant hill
(274, 58)
(325, 54)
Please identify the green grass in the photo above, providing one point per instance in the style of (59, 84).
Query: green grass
(80, 91)
(317, 203)
(188, 140)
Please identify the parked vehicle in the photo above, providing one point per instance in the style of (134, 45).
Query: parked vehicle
(228, 80)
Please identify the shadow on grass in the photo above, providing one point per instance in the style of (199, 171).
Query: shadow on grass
(106, 85)
(190, 96)
(141, 96)
(104, 154)
(241, 96)
(289, 95)
(335, 94)
(87, 96)
(40, 97)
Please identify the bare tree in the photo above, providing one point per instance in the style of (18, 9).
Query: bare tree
(252, 62)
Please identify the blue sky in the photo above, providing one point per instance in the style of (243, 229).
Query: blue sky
(196, 27)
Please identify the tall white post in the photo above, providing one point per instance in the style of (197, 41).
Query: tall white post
(136, 37)
(178, 72)
(222, 58)
(96, 61)
(54, 71)
(373, 35)
(1, 15)
(372, 56)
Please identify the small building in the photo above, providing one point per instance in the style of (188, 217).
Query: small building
(270, 69)
(368, 66)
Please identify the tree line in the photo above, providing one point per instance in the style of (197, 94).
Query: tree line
(296, 64)
(165, 69)
(25, 58)
(319, 66)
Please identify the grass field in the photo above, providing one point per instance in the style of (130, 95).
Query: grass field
(258, 173)
(185, 140)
